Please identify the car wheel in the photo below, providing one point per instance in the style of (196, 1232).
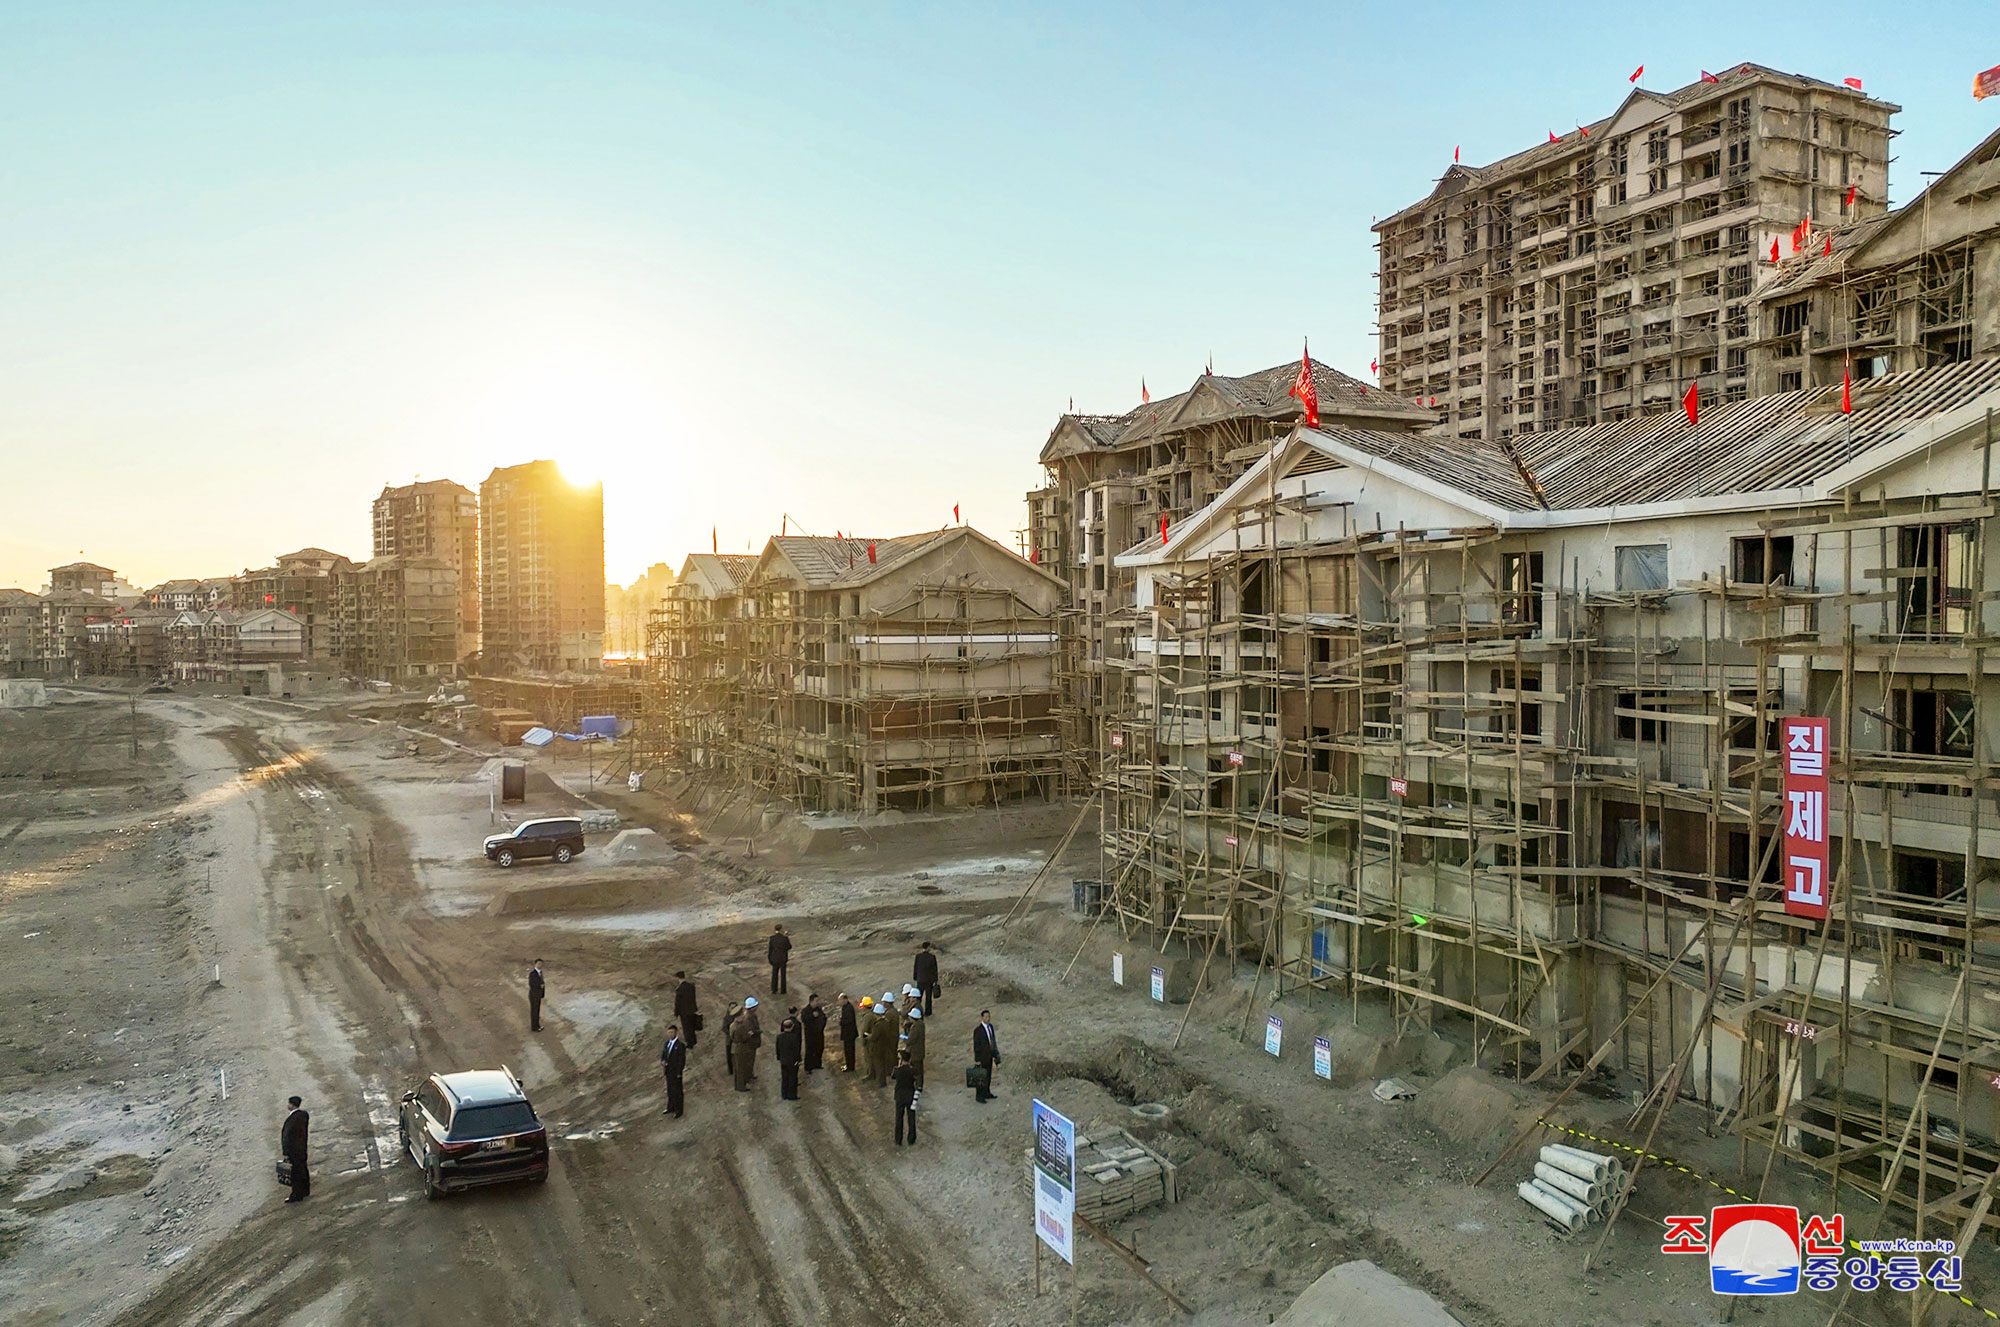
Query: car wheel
(433, 1184)
(542, 1178)
(563, 853)
(505, 857)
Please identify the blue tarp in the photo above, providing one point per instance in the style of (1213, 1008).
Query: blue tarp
(537, 737)
(600, 725)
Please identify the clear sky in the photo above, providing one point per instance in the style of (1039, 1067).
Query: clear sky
(844, 262)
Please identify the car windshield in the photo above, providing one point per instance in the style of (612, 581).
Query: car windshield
(492, 1121)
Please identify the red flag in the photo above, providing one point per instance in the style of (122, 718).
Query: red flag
(1302, 388)
(1692, 403)
(1854, 83)
(1584, 130)
(1846, 392)
(871, 552)
(1850, 194)
(954, 513)
(1145, 397)
(1454, 155)
(1828, 252)
(1552, 136)
(1774, 249)
(1034, 555)
(1986, 84)
(714, 540)
(1635, 74)
(1434, 402)
(1707, 77)
(1372, 368)
(1163, 529)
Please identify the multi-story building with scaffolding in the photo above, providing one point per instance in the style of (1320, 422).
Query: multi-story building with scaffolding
(1490, 734)
(1593, 277)
(1910, 289)
(440, 519)
(915, 673)
(1113, 479)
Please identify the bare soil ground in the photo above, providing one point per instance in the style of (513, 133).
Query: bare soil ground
(334, 878)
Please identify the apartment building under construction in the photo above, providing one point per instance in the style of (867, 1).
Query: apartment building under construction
(1491, 733)
(1112, 480)
(1594, 276)
(914, 674)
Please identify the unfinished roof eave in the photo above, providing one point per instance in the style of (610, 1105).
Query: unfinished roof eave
(1188, 527)
(1357, 459)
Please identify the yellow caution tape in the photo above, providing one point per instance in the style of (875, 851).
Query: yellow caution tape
(1668, 1163)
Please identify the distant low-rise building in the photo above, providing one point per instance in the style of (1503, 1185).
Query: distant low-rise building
(66, 616)
(224, 645)
(131, 642)
(20, 632)
(306, 585)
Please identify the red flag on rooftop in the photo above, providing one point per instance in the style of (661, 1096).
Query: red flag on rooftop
(1163, 529)
(1707, 77)
(1850, 194)
(1552, 136)
(1692, 402)
(1774, 249)
(1034, 555)
(1302, 388)
(1583, 130)
(1635, 74)
(714, 540)
(1828, 251)
(871, 552)
(1145, 397)
(1372, 367)
(954, 513)
(1854, 83)
(1847, 384)
(1454, 155)
(838, 535)
(1986, 84)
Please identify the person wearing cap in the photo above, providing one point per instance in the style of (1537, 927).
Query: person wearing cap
(850, 1028)
(742, 1050)
(813, 1023)
(924, 975)
(882, 1043)
(756, 1033)
(790, 1049)
(779, 952)
(906, 1098)
(913, 1042)
(685, 1012)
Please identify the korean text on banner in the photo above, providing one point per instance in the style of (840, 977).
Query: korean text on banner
(1055, 1182)
(1804, 744)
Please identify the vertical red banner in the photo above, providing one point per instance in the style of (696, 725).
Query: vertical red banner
(1803, 742)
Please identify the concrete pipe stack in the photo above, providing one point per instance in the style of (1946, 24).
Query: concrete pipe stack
(1571, 1187)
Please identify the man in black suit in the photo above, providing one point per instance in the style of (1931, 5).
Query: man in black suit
(985, 1052)
(791, 1047)
(673, 1059)
(535, 988)
(924, 975)
(292, 1142)
(779, 951)
(684, 1009)
(904, 1076)
(850, 1030)
(813, 1021)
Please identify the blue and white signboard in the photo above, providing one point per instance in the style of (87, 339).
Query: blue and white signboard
(1055, 1182)
(1118, 969)
(1160, 985)
(1323, 1057)
(1274, 1034)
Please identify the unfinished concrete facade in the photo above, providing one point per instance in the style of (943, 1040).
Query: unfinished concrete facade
(913, 674)
(400, 618)
(1490, 733)
(1594, 277)
(305, 584)
(440, 519)
(541, 571)
(1915, 288)
(1112, 480)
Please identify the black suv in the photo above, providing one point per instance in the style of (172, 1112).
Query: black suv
(468, 1129)
(561, 839)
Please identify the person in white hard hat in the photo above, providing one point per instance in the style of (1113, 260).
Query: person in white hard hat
(913, 1042)
(881, 1041)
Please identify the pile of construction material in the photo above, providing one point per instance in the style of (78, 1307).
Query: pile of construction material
(1117, 1175)
(1572, 1187)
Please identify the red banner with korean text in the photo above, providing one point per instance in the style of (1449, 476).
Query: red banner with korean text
(1803, 742)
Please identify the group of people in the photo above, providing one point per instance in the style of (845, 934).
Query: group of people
(884, 1035)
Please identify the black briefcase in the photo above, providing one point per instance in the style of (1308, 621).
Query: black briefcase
(695, 1023)
(977, 1075)
(284, 1172)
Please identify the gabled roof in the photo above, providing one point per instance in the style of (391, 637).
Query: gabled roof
(10, 595)
(911, 548)
(1265, 394)
(1585, 137)
(820, 561)
(715, 573)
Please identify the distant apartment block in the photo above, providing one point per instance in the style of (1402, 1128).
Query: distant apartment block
(306, 585)
(437, 519)
(400, 618)
(541, 571)
(1592, 278)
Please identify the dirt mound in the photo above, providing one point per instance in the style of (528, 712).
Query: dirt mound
(1469, 1108)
